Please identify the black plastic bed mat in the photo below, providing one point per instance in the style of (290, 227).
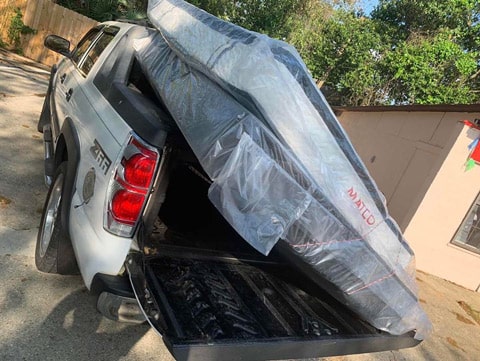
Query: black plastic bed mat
(226, 309)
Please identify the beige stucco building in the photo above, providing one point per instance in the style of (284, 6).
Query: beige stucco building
(417, 156)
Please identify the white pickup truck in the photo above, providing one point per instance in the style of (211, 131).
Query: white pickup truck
(128, 208)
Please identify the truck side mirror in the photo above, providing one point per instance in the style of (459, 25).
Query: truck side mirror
(58, 45)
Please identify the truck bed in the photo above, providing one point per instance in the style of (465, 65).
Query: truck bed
(209, 305)
(212, 296)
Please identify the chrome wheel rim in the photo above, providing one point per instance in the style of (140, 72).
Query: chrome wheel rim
(51, 213)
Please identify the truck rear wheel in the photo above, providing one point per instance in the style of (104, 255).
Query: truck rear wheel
(52, 237)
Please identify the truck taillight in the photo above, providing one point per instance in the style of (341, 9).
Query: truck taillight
(139, 170)
(129, 187)
(126, 206)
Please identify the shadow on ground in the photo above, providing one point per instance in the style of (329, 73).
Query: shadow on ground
(55, 317)
(21, 148)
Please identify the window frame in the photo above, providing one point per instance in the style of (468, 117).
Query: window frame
(98, 30)
(91, 50)
(102, 31)
(475, 206)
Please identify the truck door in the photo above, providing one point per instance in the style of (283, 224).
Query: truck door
(66, 81)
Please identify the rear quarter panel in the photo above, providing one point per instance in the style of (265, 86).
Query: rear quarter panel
(101, 133)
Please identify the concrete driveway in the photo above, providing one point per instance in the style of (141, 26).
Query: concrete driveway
(49, 317)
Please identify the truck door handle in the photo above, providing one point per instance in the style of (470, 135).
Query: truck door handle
(68, 94)
(62, 78)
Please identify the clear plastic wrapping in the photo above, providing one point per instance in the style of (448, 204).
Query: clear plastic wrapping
(283, 169)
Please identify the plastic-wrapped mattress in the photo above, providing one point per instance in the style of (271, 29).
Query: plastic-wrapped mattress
(281, 165)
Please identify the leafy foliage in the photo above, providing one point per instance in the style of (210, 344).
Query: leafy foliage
(430, 70)
(104, 10)
(409, 51)
(272, 17)
(265, 16)
(16, 29)
(435, 50)
(429, 17)
(342, 53)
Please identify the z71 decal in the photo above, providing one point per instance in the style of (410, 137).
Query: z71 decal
(100, 156)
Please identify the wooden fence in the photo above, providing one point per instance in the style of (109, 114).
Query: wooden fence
(45, 17)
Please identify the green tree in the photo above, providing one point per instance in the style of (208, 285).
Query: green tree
(272, 17)
(430, 70)
(264, 16)
(435, 50)
(343, 54)
(428, 17)
(396, 57)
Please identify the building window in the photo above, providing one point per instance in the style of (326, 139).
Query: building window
(468, 235)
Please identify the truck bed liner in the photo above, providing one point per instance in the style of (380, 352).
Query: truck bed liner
(214, 307)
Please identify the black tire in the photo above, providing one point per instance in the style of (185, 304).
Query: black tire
(53, 251)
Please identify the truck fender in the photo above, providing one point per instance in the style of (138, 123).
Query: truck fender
(67, 149)
(46, 110)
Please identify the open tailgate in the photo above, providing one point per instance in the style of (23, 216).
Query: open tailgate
(211, 306)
